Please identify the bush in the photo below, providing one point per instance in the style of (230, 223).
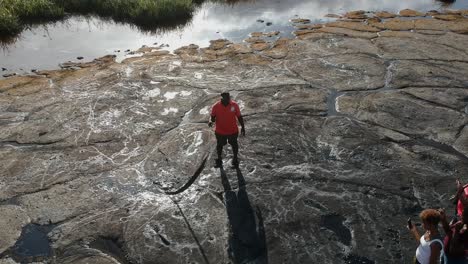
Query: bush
(27, 10)
(147, 14)
(9, 23)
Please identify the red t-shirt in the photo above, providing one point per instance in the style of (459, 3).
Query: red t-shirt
(226, 118)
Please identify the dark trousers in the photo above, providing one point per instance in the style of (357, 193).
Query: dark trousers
(222, 140)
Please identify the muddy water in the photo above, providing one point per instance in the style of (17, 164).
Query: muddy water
(45, 46)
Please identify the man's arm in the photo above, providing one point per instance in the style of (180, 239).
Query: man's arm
(415, 233)
(241, 121)
(435, 253)
(211, 121)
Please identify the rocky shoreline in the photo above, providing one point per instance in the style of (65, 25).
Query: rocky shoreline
(352, 127)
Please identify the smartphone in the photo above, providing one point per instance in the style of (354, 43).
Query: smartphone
(410, 225)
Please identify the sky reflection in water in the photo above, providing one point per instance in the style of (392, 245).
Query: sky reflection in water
(44, 47)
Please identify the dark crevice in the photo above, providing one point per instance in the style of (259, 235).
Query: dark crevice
(420, 140)
(202, 251)
(298, 75)
(433, 61)
(460, 129)
(314, 178)
(164, 240)
(14, 199)
(111, 246)
(440, 146)
(31, 144)
(191, 180)
(372, 55)
(430, 102)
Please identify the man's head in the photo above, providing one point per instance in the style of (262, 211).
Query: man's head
(225, 98)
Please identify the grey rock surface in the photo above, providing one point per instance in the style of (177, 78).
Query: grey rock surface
(349, 132)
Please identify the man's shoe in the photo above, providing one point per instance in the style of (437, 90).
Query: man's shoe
(218, 163)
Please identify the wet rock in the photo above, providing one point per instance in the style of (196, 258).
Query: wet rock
(277, 52)
(260, 20)
(254, 40)
(268, 23)
(11, 223)
(308, 26)
(385, 14)
(394, 24)
(353, 26)
(448, 97)
(4, 69)
(410, 13)
(359, 14)
(420, 47)
(81, 255)
(430, 73)
(333, 16)
(300, 20)
(344, 127)
(448, 17)
(304, 32)
(392, 110)
(264, 34)
(347, 32)
(256, 34)
(432, 13)
(79, 58)
(146, 49)
(458, 26)
(461, 144)
(9, 75)
(7, 261)
(259, 46)
(343, 72)
(271, 34)
(240, 48)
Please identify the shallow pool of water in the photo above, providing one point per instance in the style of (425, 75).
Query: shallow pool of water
(45, 46)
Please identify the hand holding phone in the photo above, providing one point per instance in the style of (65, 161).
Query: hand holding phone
(410, 224)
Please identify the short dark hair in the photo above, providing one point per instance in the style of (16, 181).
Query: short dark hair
(225, 94)
(430, 216)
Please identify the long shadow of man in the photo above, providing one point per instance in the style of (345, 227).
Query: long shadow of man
(247, 243)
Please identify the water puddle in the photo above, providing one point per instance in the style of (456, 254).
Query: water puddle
(33, 244)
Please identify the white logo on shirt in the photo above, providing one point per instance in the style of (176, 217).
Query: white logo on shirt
(233, 109)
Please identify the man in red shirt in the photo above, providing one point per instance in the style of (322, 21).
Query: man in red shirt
(225, 114)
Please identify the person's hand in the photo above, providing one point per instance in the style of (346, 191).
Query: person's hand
(459, 185)
(243, 131)
(210, 124)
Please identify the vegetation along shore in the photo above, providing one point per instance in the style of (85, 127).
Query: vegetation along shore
(16, 15)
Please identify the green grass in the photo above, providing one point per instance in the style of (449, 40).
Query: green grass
(15, 15)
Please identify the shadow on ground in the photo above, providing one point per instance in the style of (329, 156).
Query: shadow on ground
(247, 243)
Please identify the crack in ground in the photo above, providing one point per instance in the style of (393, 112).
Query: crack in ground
(430, 102)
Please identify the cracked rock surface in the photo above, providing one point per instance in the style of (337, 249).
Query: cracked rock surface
(352, 127)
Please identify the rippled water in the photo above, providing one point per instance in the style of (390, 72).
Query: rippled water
(45, 46)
